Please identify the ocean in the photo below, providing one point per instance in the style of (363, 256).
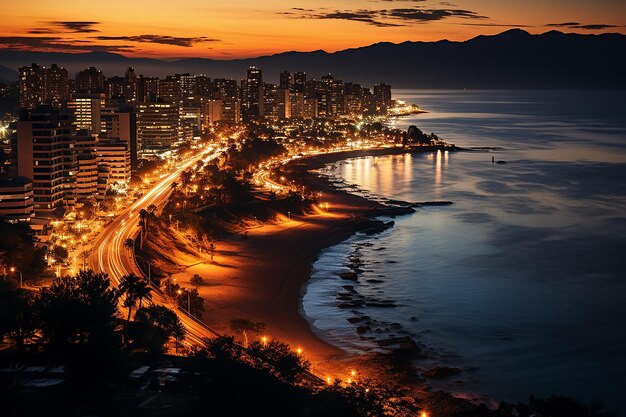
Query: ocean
(521, 282)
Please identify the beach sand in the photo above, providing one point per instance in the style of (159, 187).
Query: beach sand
(259, 273)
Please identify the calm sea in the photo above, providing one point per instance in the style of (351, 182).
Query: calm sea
(521, 283)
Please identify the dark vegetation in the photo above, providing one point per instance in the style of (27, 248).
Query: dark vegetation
(18, 250)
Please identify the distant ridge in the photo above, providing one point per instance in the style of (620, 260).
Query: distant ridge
(512, 59)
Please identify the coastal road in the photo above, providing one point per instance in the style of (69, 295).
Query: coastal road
(110, 255)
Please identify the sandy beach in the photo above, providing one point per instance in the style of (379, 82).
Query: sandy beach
(260, 272)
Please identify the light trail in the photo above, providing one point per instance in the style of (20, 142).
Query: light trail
(111, 256)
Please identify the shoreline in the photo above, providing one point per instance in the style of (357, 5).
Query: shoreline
(263, 274)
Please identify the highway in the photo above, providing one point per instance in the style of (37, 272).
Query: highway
(110, 255)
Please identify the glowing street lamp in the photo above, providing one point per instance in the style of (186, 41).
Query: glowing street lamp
(13, 270)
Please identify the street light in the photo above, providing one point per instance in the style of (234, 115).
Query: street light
(13, 270)
(188, 302)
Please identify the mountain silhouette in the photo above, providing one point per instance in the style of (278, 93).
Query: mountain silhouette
(513, 59)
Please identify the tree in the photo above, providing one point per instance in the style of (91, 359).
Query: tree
(129, 244)
(79, 310)
(16, 312)
(59, 254)
(223, 348)
(277, 358)
(157, 325)
(197, 280)
(246, 325)
(133, 289)
(143, 221)
(190, 301)
(17, 249)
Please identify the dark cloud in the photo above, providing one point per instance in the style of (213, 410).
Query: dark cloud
(366, 16)
(594, 27)
(563, 25)
(47, 43)
(576, 25)
(41, 31)
(496, 25)
(161, 39)
(76, 26)
(387, 17)
(421, 15)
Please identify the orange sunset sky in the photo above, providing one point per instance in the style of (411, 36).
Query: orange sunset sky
(247, 28)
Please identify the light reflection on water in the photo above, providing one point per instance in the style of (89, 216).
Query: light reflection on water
(521, 281)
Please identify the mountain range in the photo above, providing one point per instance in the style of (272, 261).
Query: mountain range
(513, 59)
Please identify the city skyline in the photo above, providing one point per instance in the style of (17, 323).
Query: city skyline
(247, 29)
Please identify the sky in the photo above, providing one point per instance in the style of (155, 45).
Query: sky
(250, 28)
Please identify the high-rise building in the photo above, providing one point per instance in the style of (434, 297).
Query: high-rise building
(119, 123)
(16, 199)
(227, 91)
(270, 103)
(283, 103)
(297, 104)
(285, 80)
(157, 127)
(147, 89)
(45, 154)
(353, 98)
(299, 82)
(114, 157)
(252, 105)
(57, 85)
(114, 87)
(87, 110)
(170, 89)
(382, 95)
(86, 184)
(212, 112)
(130, 86)
(90, 80)
(203, 86)
(41, 85)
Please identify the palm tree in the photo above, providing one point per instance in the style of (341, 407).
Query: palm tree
(129, 244)
(143, 291)
(128, 288)
(244, 325)
(143, 216)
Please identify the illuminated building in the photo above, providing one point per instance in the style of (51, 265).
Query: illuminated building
(226, 90)
(87, 108)
(270, 104)
(114, 156)
(157, 128)
(147, 89)
(382, 96)
(45, 154)
(252, 105)
(119, 123)
(41, 85)
(16, 199)
(86, 179)
(90, 80)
